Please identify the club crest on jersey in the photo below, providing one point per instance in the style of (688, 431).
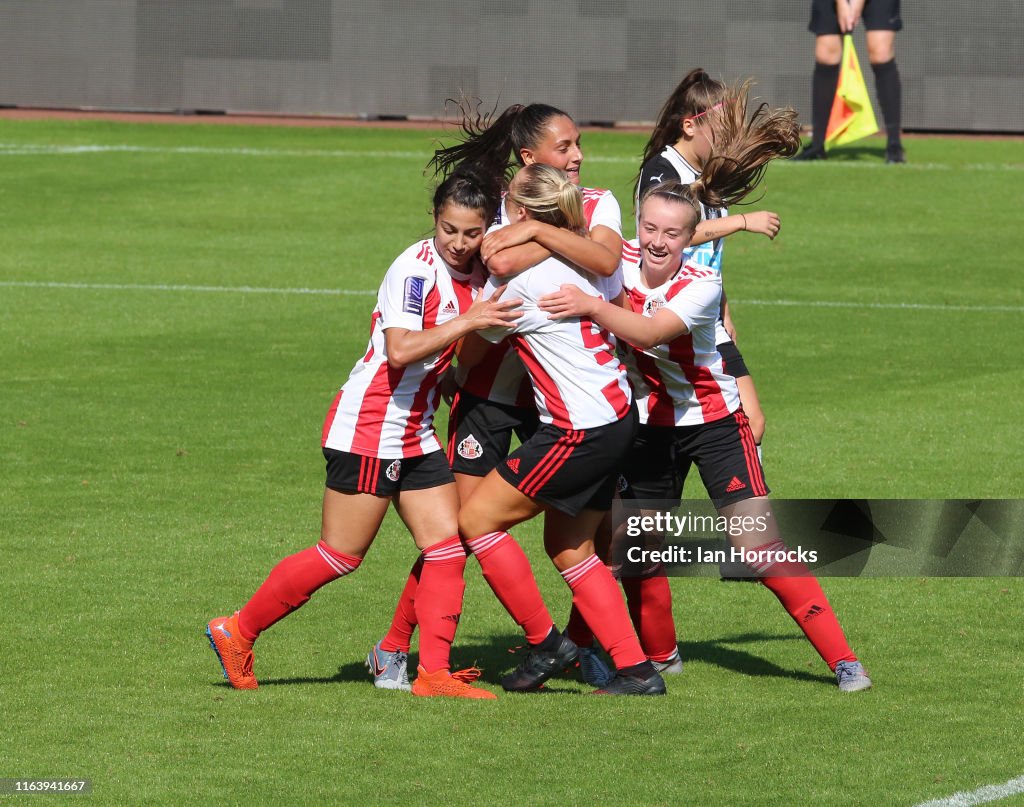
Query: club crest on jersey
(470, 448)
(413, 300)
(653, 305)
(394, 470)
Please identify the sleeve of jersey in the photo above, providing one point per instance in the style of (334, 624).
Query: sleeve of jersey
(698, 303)
(403, 294)
(607, 213)
(654, 172)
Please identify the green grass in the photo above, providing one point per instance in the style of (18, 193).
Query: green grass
(160, 452)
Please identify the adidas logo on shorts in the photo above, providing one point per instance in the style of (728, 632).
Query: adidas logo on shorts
(513, 465)
(735, 485)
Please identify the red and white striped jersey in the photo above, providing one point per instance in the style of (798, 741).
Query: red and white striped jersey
(681, 383)
(387, 412)
(499, 376)
(578, 382)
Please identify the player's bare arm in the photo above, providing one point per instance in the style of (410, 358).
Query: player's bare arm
(643, 332)
(405, 346)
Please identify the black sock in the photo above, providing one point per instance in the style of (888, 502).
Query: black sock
(889, 90)
(551, 641)
(823, 93)
(642, 670)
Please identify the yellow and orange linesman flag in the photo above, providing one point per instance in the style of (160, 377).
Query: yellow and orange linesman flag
(852, 116)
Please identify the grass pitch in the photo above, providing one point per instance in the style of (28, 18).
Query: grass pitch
(164, 381)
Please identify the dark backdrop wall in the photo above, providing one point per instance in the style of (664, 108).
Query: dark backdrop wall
(601, 60)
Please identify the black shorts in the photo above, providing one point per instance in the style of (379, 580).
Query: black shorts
(571, 470)
(878, 15)
(354, 473)
(732, 361)
(480, 432)
(723, 451)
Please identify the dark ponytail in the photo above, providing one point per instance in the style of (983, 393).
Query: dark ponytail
(494, 145)
(695, 94)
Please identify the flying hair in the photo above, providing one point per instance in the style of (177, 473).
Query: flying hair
(493, 143)
(743, 145)
(695, 95)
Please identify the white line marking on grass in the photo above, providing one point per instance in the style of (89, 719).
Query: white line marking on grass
(162, 287)
(29, 149)
(982, 795)
(39, 284)
(1013, 309)
(26, 149)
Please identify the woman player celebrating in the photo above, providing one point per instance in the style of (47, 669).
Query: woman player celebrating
(678, 148)
(380, 445)
(568, 468)
(689, 405)
(493, 399)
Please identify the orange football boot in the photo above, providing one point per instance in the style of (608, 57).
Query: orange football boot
(449, 685)
(233, 652)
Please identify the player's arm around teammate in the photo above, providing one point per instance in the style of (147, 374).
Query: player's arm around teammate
(380, 447)
(567, 469)
(673, 313)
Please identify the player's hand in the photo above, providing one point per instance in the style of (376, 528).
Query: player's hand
(764, 222)
(511, 236)
(494, 311)
(568, 301)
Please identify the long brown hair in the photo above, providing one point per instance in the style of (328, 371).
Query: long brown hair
(743, 145)
(694, 95)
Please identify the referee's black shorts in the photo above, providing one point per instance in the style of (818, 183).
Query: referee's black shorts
(878, 15)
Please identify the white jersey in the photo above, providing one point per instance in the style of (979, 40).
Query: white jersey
(387, 412)
(499, 376)
(578, 381)
(682, 383)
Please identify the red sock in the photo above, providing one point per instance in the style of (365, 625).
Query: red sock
(650, 608)
(578, 630)
(802, 597)
(507, 571)
(438, 602)
(290, 585)
(403, 623)
(597, 596)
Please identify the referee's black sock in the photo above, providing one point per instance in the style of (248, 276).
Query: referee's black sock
(823, 92)
(889, 90)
